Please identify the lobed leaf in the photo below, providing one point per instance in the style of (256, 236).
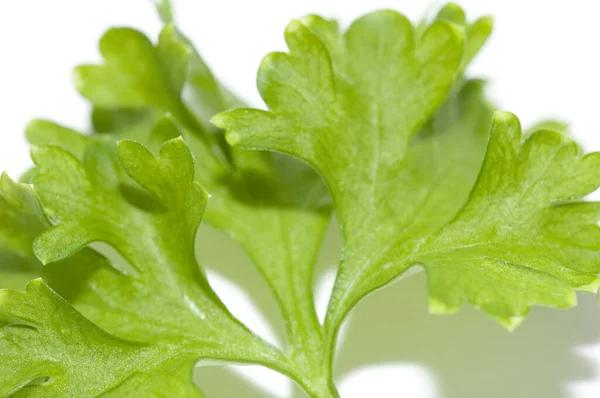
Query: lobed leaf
(477, 33)
(523, 237)
(50, 350)
(359, 106)
(382, 111)
(353, 106)
(153, 79)
(22, 219)
(275, 207)
(150, 217)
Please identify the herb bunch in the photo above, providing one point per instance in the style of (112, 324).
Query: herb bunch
(379, 123)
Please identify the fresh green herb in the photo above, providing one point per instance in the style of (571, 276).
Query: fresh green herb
(387, 131)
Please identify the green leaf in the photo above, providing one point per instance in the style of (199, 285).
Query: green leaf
(554, 125)
(384, 114)
(332, 105)
(153, 79)
(44, 132)
(126, 303)
(522, 238)
(358, 108)
(275, 207)
(76, 278)
(50, 350)
(139, 80)
(278, 210)
(165, 10)
(352, 107)
(171, 379)
(435, 179)
(148, 210)
(476, 33)
(21, 220)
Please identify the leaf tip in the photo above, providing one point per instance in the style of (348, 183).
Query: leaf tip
(40, 250)
(504, 117)
(220, 120)
(297, 36)
(36, 152)
(127, 145)
(79, 79)
(5, 181)
(294, 27)
(8, 186)
(35, 285)
(224, 121)
(511, 323)
(233, 138)
(32, 128)
(452, 12)
(591, 287)
(507, 122)
(178, 144)
(447, 35)
(165, 11)
(439, 307)
(484, 24)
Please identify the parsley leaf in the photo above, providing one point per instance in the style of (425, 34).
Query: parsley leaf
(522, 238)
(136, 74)
(132, 208)
(163, 298)
(22, 221)
(350, 105)
(356, 107)
(164, 9)
(50, 350)
(20, 214)
(476, 33)
(385, 121)
(275, 207)
(156, 79)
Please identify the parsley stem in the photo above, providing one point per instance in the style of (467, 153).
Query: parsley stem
(215, 142)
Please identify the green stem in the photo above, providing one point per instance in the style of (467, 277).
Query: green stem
(305, 334)
(315, 382)
(323, 390)
(323, 387)
(215, 143)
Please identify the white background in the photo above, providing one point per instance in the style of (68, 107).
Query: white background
(542, 61)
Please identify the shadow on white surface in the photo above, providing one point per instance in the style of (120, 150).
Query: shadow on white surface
(468, 354)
